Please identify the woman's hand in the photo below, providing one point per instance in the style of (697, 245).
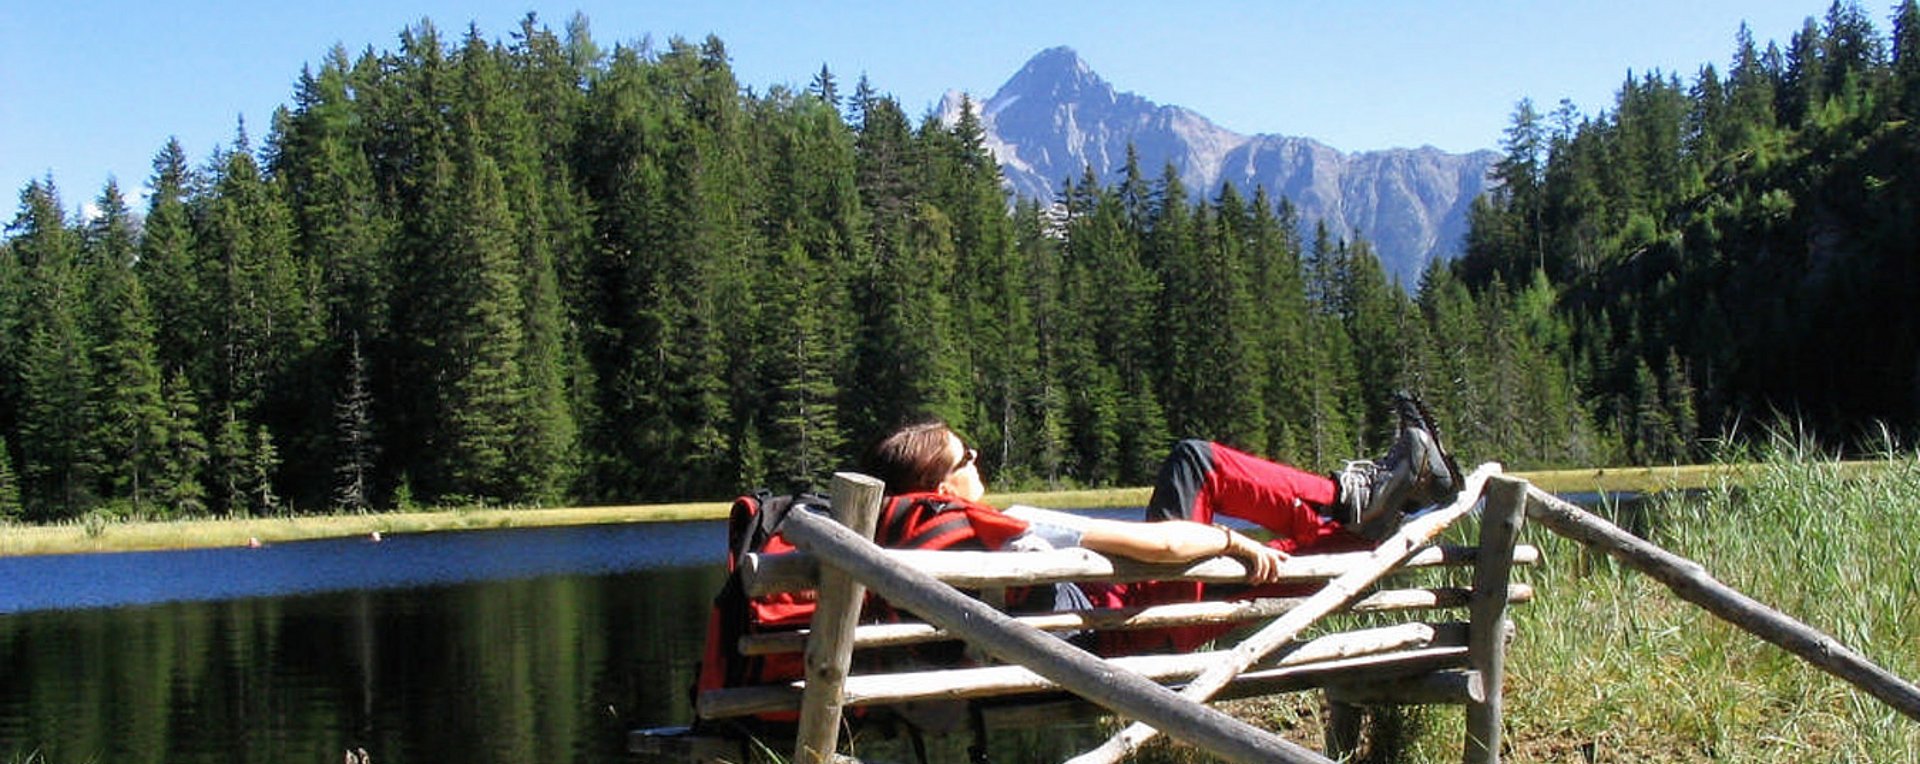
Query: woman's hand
(1263, 562)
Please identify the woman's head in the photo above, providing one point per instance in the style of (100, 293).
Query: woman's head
(927, 456)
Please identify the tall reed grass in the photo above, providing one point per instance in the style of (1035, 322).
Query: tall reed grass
(1609, 666)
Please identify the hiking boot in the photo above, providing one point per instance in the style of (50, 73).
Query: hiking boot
(1416, 472)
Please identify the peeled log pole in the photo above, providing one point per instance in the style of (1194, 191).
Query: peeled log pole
(1692, 583)
(791, 571)
(1000, 636)
(829, 655)
(1126, 618)
(1384, 558)
(1500, 524)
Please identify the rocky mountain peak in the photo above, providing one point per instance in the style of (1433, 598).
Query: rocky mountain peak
(1060, 73)
(1056, 117)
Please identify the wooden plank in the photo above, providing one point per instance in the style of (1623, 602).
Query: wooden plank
(1133, 618)
(996, 681)
(1391, 553)
(763, 574)
(829, 655)
(1000, 636)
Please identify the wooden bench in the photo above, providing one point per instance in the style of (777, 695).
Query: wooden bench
(1396, 654)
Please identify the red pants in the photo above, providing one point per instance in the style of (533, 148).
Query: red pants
(1200, 480)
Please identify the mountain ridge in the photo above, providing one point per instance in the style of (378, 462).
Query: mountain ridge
(1055, 117)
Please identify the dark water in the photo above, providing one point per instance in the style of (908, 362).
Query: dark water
(487, 646)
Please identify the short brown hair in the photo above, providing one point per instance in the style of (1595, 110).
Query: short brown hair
(913, 458)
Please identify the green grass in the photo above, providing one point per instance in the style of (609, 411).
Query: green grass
(1611, 666)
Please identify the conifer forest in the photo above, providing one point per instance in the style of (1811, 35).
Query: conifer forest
(532, 270)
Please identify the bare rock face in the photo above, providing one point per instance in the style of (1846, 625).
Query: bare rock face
(1056, 117)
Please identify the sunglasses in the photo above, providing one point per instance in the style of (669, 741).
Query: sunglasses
(966, 459)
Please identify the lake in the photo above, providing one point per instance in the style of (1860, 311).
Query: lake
(542, 645)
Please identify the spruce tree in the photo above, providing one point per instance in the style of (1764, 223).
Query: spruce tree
(802, 416)
(58, 460)
(1377, 319)
(481, 402)
(11, 510)
(264, 328)
(1905, 77)
(179, 484)
(1225, 372)
(355, 445)
(167, 268)
(127, 392)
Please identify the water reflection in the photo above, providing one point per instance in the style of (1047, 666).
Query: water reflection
(110, 580)
(524, 666)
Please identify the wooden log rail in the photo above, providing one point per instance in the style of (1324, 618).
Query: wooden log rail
(794, 571)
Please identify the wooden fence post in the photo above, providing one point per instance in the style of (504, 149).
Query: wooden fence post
(1500, 522)
(829, 653)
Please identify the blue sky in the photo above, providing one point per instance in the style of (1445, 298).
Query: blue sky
(90, 90)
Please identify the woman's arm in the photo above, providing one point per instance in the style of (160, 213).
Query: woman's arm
(1180, 541)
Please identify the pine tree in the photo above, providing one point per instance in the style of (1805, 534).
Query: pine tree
(127, 389)
(801, 427)
(167, 268)
(1800, 92)
(355, 443)
(1750, 94)
(1225, 371)
(58, 464)
(1275, 268)
(1042, 408)
(825, 88)
(1853, 58)
(178, 484)
(339, 222)
(262, 464)
(482, 399)
(264, 330)
(10, 509)
(1905, 76)
(227, 461)
(1378, 319)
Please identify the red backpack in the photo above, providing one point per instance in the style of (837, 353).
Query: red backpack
(908, 521)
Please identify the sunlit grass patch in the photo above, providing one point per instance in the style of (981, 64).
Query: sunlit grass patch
(1611, 664)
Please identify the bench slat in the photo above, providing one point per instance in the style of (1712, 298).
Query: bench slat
(1133, 618)
(993, 681)
(792, 571)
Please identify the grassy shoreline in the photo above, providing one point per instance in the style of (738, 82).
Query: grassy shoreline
(127, 536)
(77, 537)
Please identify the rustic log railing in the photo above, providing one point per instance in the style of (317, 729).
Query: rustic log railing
(1411, 662)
